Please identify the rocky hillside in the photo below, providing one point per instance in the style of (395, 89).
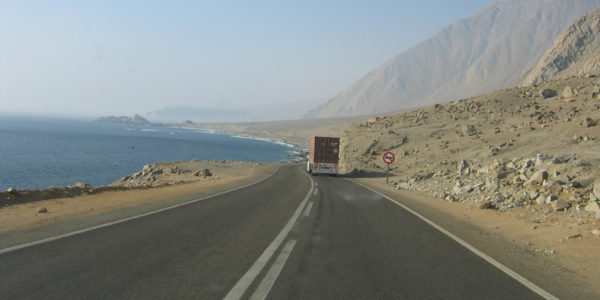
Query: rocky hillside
(522, 146)
(486, 52)
(575, 52)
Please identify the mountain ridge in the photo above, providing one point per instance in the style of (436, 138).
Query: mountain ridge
(575, 52)
(490, 50)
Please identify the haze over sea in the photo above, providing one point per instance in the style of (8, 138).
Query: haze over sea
(37, 153)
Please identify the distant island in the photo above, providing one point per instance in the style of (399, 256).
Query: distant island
(135, 120)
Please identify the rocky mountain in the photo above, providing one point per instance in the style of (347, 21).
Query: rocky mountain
(575, 52)
(488, 51)
(135, 119)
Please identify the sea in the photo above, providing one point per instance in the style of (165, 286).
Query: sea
(37, 153)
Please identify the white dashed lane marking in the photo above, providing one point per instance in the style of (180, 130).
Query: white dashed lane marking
(307, 210)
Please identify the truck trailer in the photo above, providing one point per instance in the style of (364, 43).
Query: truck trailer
(324, 155)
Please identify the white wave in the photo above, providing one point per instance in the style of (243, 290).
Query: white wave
(203, 130)
(264, 140)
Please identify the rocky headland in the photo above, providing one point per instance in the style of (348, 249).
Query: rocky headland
(134, 120)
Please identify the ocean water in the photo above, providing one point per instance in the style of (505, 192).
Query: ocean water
(38, 153)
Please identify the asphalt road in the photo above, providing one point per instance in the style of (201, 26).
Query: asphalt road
(288, 237)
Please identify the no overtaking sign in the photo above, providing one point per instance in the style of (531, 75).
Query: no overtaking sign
(389, 157)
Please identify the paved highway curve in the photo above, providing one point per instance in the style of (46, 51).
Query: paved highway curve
(288, 237)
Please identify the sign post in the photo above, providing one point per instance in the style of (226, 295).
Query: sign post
(388, 158)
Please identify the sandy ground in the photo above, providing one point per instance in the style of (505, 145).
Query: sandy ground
(557, 241)
(20, 216)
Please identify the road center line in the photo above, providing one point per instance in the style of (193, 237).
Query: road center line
(316, 191)
(84, 230)
(242, 285)
(524, 281)
(308, 207)
(267, 283)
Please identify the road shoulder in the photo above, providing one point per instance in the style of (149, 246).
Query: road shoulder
(565, 270)
(22, 223)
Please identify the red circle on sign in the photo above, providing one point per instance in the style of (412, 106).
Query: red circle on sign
(389, 157)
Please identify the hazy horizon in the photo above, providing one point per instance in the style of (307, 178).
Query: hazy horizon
(68, 58)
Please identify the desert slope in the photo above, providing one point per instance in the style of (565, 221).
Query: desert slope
(511, 148)
(483, 53)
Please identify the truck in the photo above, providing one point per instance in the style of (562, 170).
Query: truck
(324, 155)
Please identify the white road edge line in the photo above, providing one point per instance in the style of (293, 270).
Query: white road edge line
(242, 285)
(308, 207)
(532, 286)
(266, 284)
(62, 236)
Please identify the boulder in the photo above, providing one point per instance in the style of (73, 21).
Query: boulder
(563, 158)
(541, 199)
(42, 210)
(548, 93)
(560, 205)
(11, 191)
(462, 166)
(549, 182)
(538, 177)
(177, 171)
(533, 194)
(551, 198)
(203, 173)
(81, 185)
(469, 129)
(596, 190)
(463, 190)
(569, 92)
(157, 172)
(580, 163)
(589, 122)
(528, 163)
(562, 179)
(498, 198)
(518, 179)
(541, 158)
(403, 186)
(592, 206)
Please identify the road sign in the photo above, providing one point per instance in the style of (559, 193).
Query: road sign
(389, 157)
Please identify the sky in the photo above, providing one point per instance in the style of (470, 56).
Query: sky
(92, 58)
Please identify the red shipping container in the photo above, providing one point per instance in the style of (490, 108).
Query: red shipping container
(324, 149)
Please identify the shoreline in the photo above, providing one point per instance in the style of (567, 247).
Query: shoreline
(36, 170)
(279, 141)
